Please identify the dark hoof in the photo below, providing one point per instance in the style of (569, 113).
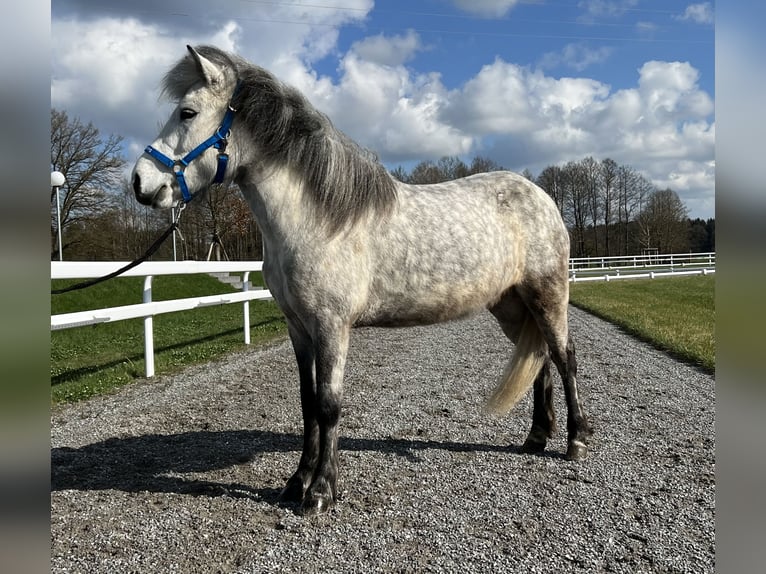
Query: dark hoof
(532, 446)
(577, 450)
(315, 504)
(293, 491)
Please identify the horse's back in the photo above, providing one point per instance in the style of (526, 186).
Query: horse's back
(453, 248)
(498, 214)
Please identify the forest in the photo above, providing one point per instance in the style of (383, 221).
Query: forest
(610, 209)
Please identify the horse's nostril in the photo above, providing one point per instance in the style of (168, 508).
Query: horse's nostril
(136, 185)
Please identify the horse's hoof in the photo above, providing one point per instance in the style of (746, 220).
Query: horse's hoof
(532, 446)
(315, 504)
(292, 492)
(577, 450)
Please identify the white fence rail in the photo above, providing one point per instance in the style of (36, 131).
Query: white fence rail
(640, 266)
(580, 269)
(148, 309)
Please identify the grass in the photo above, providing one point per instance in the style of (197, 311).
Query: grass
(676, 314)
(96, 359)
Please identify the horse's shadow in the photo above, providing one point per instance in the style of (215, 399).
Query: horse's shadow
(158, 463)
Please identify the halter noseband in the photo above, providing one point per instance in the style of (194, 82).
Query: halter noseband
(218, 140)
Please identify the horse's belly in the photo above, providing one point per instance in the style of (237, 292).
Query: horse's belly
(429, 304)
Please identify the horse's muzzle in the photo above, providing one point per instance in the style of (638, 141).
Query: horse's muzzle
(140, 197)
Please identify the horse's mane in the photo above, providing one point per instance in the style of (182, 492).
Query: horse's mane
(343, 179)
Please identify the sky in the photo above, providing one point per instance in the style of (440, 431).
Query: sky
(527, 83)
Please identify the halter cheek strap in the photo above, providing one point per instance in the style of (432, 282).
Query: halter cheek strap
(218, 140)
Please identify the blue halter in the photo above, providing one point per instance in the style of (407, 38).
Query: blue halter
(218, 140)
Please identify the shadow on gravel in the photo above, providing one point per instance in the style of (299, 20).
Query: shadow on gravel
(158, 463)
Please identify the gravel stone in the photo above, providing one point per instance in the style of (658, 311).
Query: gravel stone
(182, 473)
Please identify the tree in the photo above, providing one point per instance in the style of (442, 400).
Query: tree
(592, 188)
(664, 222)
(551, 180)
(452, 167)
(446, 169)
(400, 174)
(702, 235)
(426, 172)
(574, 184)
(609, 170)
(91, 165)
(483, 165)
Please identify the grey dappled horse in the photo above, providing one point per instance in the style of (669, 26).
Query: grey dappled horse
(346, 245)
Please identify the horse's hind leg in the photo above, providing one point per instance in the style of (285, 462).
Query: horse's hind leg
(510, 312)
(543, 415)
(548, 300)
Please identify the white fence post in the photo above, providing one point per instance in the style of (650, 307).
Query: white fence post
(148, 329)
(246, 306)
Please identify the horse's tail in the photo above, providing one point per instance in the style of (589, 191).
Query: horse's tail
(520, 372)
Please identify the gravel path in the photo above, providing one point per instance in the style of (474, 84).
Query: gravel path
(182, 474)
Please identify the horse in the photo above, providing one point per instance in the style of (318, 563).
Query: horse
(346, 245)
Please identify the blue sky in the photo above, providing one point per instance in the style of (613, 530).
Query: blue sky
(527, 83)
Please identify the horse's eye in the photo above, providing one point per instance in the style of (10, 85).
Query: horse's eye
(187, 114)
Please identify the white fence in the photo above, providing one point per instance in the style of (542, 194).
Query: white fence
(149, 308)
(640, 266)
(580, 269)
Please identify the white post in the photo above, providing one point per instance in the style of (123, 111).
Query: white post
(148, 329)
(246, 306)
(57, 180)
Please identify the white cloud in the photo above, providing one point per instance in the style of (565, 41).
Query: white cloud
(391, 110)
(662, 126)
(505, 98)
(699, 13)
(388, 50)
(601, 8)
(107, 68)
(576, 56)
(646, 29)
(486, 8)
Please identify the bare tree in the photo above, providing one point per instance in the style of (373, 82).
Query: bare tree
(91, 165)
(483, 165)
(400, 174)
(452, 167)
(426, 172)
(609, 171)
(551, 180)
(592, 176)
(664, 222)
(574, 181)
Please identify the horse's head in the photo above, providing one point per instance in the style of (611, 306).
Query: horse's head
(180, 162)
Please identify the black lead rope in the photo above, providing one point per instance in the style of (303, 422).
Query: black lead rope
(149, 252)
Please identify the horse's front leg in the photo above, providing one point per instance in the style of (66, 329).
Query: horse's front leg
(331, 347)
(299, 482)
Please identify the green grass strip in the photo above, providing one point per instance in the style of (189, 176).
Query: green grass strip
(675, 314)
(96, 359)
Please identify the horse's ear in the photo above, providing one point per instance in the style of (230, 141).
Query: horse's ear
(210, 72)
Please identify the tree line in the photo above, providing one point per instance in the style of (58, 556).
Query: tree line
(610, 209)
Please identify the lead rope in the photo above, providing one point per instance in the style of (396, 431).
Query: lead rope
(149, 252)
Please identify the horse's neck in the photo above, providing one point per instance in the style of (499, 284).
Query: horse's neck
(276, 199)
